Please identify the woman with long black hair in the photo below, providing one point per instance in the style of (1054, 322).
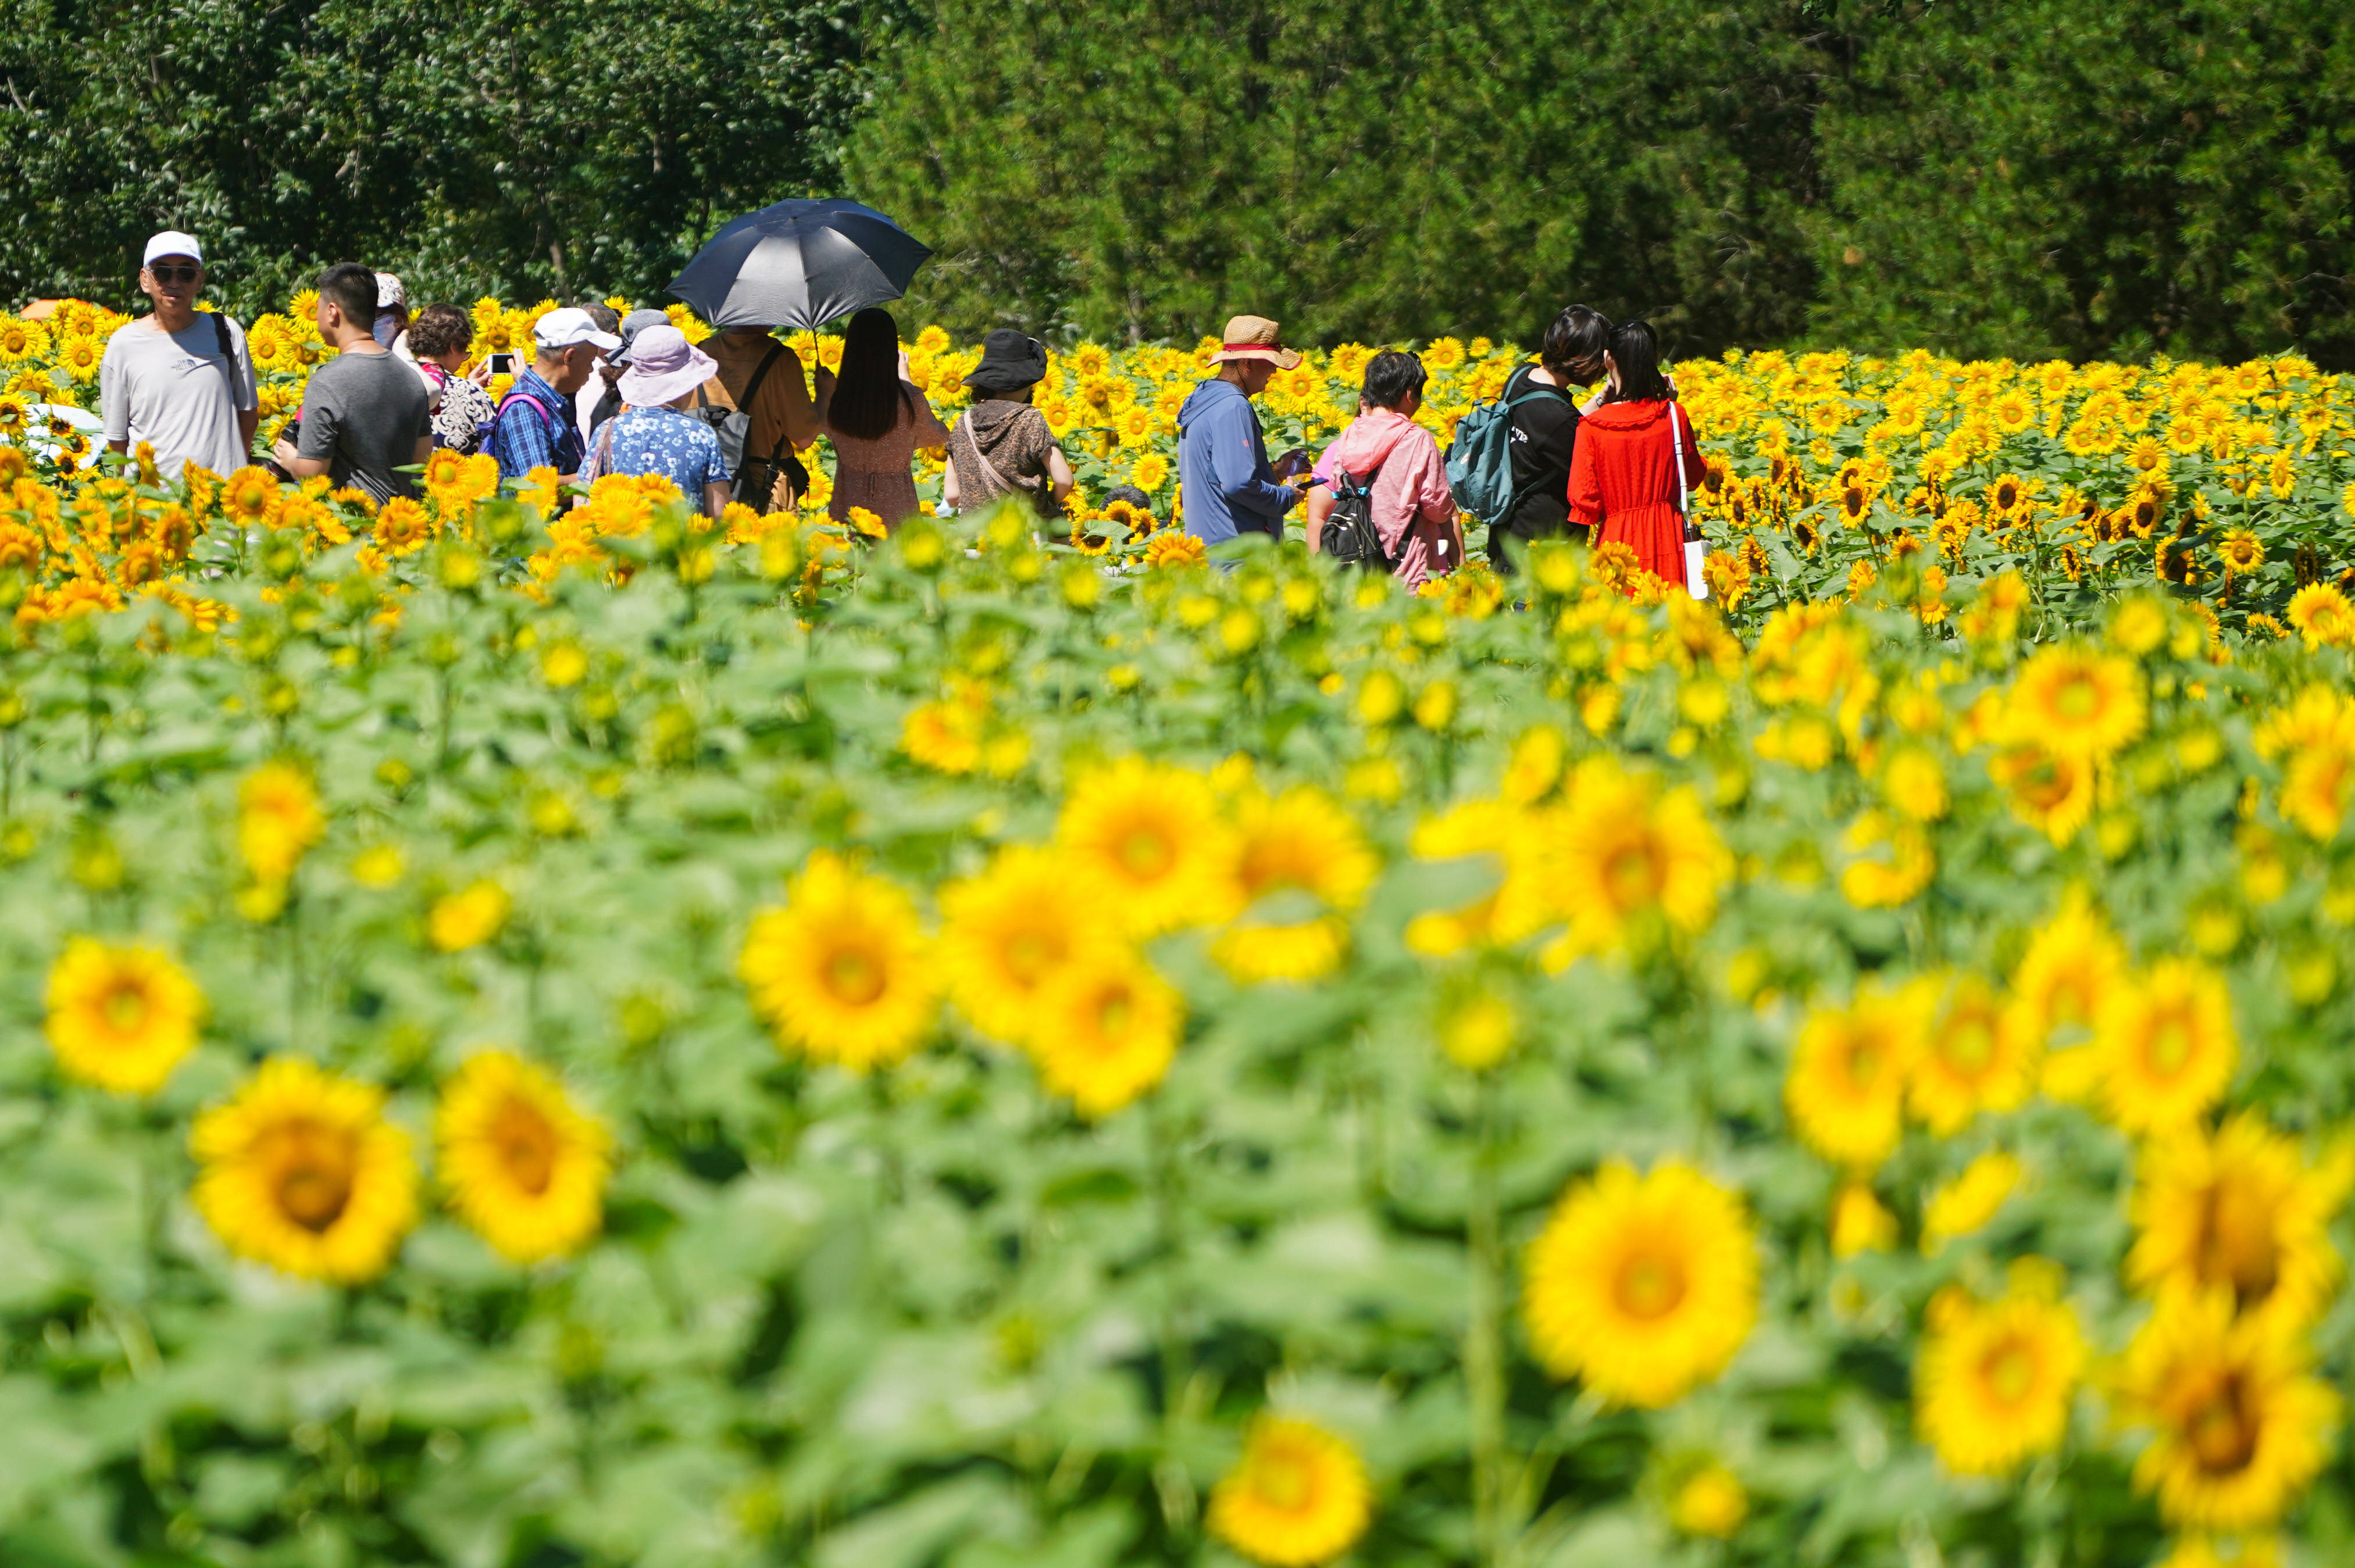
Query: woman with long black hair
(876, 418)
(1623, 477)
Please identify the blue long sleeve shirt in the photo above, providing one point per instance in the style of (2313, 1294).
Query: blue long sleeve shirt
(1225, 485)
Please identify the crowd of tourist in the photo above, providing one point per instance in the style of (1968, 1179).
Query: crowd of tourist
(727, 421)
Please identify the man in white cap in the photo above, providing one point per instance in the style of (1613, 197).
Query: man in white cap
(653, 433)
(1225, 484)
(538, 426)
(179, 380)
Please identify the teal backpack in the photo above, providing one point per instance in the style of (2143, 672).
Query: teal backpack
(1480, 462)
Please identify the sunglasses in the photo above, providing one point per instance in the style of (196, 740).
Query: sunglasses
(170, 275)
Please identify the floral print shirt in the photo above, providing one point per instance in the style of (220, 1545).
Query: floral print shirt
(677, 445)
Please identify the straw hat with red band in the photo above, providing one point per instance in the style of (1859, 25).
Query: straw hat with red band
(1253, 338)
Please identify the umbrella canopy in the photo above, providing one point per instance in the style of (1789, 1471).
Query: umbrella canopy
(799, 263)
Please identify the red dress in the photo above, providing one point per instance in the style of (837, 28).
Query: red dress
(1623, 476)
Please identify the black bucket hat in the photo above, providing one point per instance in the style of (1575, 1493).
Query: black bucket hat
(1009, 362)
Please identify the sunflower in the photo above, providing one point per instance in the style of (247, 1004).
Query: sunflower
(1860, 1222)
(1995, 1378)
(467, 918)
(2242, 552)
(78, 357)
(842, 973)
(1628, 863)
(2238, 1211)
(121, 1017)
(249, 498)
(943, 736)
(299, 1170)
(22, 340)
(445, 470)
(1149, 843)
(1297, 1497)
(1150, 472)
(2316, 788)
(2076, 701)
(2239, 1426)
(1297, 865)
(2163, 1048)
(1643, 1287)
(402, 527)
(278, 820)
(1970, 1062)
(1106, 1031)
(2051, 791)
(1173, 547)
(1004, 934)
(1967, 1203)
(1846, 1088)
(2320, 614)
(525, 1168)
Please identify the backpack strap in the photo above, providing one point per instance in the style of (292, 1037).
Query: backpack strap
(229, 357)
(1677, 460)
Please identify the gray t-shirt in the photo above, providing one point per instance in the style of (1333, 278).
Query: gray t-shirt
(365, 414)
(174, 391)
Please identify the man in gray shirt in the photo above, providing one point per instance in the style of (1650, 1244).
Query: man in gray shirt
(365, 414)
(179, 380)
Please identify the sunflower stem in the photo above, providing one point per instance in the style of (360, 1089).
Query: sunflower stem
(1484, 1374)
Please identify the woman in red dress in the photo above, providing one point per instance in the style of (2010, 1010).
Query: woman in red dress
(1623, 475)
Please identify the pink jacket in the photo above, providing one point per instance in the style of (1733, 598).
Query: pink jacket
(1413, 509)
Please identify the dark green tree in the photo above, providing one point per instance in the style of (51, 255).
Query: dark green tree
(1371, 169)
(556, 147)
(2028, 177)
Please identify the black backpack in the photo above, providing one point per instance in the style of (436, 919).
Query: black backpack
(755, 476)
(1350, 537)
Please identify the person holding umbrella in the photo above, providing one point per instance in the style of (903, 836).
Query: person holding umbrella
(767, 381)
(797, 264)
(877, 419)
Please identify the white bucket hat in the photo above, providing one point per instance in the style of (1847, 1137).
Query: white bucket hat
(663, 366)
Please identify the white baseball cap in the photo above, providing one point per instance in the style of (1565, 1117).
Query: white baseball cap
(389, 291)
(563, 328)
(172, 242)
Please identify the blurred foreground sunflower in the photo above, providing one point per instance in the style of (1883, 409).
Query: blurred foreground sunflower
(1643, 1287)
(1298, 1496)
(1107, 1030)
(1996, 1379)
(525, 1168)
(1004, 934)
(1149, 841)
(301, 1171)
(121, 1017)
(2239, 1426)
(842, 973)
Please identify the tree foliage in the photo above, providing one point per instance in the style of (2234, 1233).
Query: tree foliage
(2055, 177)
(489, 146)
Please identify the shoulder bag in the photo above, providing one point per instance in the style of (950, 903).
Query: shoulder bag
(1696, 548)
(1041, 497)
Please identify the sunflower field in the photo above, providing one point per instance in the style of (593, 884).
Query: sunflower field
(544, 1036)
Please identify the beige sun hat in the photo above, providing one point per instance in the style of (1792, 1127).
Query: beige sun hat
(1254, 337)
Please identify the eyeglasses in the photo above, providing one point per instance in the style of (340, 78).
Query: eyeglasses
(168, 276)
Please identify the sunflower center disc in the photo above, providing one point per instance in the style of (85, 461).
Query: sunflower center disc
(854, 977)
(1651, 1285)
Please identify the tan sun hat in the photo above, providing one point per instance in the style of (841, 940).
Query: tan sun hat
(1254, 337)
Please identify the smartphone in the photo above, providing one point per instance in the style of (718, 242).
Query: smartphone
(503, 363)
